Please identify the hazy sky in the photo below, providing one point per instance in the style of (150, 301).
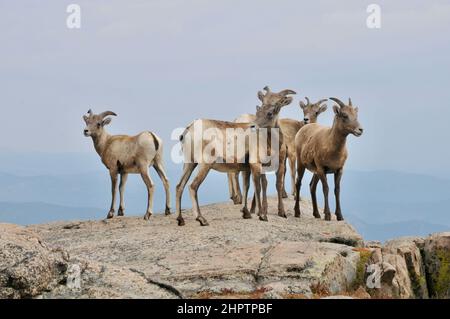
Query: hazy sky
(161, 64)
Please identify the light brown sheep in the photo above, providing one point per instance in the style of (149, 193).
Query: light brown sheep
(322, 150)
(196, 137)
(289, 128)
(123, 154)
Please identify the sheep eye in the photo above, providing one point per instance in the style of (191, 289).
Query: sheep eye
(99, 125)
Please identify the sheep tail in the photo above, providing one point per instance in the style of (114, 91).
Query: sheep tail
(156, 139)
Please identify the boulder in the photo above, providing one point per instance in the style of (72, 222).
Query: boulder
(398, 270)
(27, 266)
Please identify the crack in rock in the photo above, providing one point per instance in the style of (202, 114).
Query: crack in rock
(265, 255)
(161, 285)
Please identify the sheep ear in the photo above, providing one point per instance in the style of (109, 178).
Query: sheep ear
(356, 109)
(106, 121)
(336, 109)
(323, 108)
(285, 101)
(85, 118)
(258, 108)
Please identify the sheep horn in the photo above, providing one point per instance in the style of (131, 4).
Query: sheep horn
(350, 101)
(307, 100)
(261, 96)
(107, 113)
(321, 101)
(286, 92)
(89, 112)
(267, 89)
(341, 104)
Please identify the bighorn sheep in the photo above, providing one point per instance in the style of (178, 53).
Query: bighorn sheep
(123, 154)
(322, 150)
(195, 137)
(289, 128)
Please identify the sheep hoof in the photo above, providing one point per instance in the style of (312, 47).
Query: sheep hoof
(120, 212)
(110, 215)
(316, 215)
(237, 200)
(167, 212)
(263, 218)
(297, 211)
(327, 216)
(284, 195)
(147, 216)
(202, 221)
(246, 214)
(180, 221)
(339, 217)
(283, 214)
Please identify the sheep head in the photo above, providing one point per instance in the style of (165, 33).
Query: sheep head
(96, 122)
(278, 99)
(346, 117)
(271, 104)
(312, 110)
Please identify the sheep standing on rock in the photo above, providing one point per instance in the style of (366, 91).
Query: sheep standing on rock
(123, 154)
(289, 128)
(322, 150)
(248, 160)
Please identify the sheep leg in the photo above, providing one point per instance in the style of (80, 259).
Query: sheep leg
(193, 188)
(113, 175)
(291, 158)
(285, 195)
(230, 185)
(256, 173)
(246, 180)
(313, 188)
(253, 207)
(150, 189)
(237, 194)
(123, 181)
(264, 193)
(325, 188)
(337, 193)
(188, 168)
(280, 182)
(159, 168)
(298, 185)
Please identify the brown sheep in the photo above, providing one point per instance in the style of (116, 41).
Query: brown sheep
(197, 136)
(322, 150)
(289, 128)
(123, 155)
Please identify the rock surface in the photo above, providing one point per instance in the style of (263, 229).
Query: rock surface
(127, 257)
(27, 266)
